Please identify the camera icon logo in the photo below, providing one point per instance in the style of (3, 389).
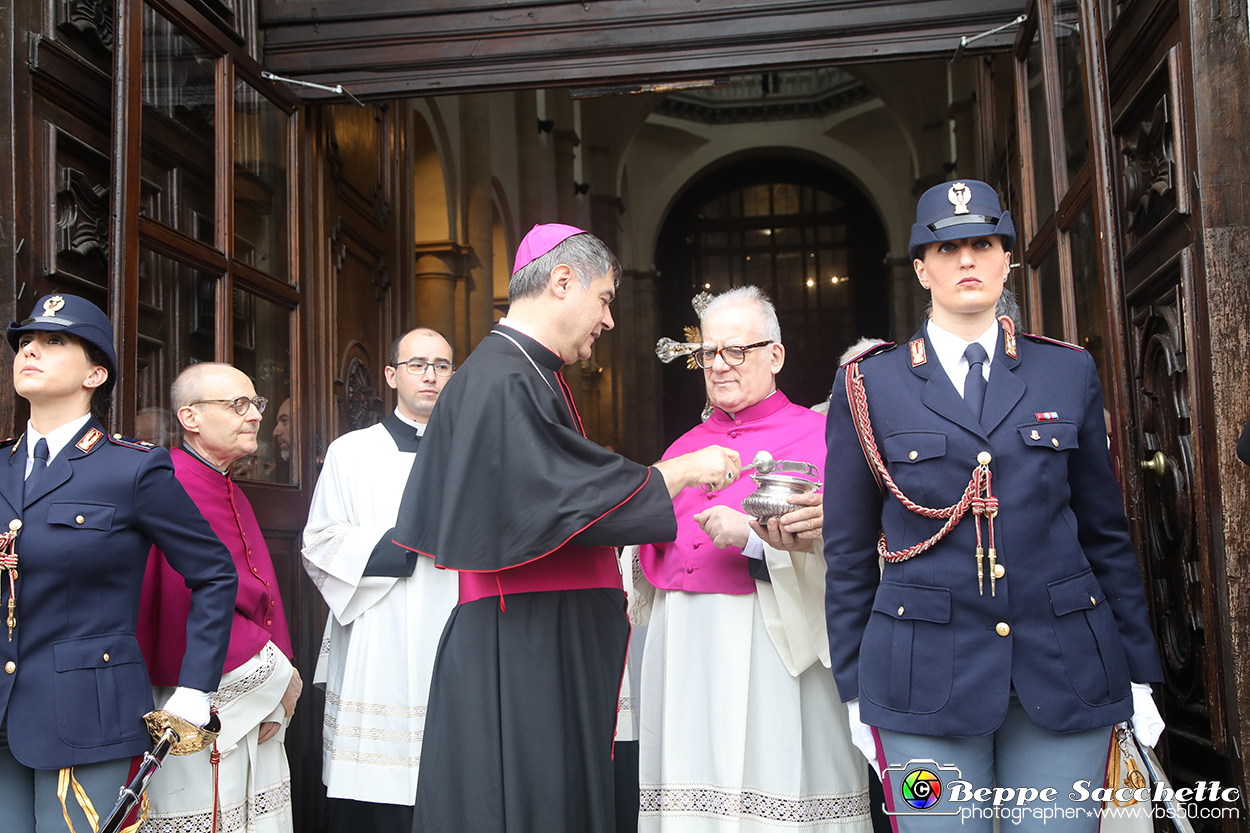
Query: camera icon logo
(919, 786)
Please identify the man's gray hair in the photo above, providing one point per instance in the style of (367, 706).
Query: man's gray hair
(748, 294)
(587, 255)
(188, 387)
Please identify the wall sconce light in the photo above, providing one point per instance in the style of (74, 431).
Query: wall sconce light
(581, 187)
(546, 125)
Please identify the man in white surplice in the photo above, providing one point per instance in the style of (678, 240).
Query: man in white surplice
(742, 728)
(387, 606)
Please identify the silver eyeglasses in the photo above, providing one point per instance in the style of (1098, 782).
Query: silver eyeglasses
(417, 367)
(733, 356)
(240, 405)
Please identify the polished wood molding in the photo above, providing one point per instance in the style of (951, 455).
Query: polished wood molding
(419, 47)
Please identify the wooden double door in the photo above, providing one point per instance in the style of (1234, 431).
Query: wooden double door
(1091, 126)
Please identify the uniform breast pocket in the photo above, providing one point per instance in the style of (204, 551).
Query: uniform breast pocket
(1050, 436)
(101, 689)
(906, 453)
(907, 657)
(82, 515)
(1089, 640)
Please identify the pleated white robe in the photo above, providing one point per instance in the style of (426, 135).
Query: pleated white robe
(378, 650)
(742, 728)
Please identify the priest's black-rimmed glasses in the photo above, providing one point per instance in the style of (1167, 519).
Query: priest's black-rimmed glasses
(733, 356)
(417, 367)
(240, 405)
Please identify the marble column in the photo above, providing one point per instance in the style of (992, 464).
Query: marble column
(437, 271)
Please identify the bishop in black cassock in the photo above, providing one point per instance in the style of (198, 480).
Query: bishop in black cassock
(509, 491)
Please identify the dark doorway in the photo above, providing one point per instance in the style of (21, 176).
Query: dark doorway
(798, 230)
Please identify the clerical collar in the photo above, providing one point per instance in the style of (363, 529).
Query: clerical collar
(766, 407)
(536, 350)
(195, 454)
(405, 433)
(420, 426)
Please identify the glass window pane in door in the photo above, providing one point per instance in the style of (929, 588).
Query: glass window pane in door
(1042, 175)
(1047, 276)
(177, 328)
(1087, 288)
(260, 182)
(262, 350)
(1071, 85)
(179, 128)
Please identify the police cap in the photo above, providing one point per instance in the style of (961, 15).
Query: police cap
(74, 315)
(955, 210)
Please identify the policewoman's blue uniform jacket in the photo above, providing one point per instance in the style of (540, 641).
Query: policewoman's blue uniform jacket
(924, 651)
(74, 687)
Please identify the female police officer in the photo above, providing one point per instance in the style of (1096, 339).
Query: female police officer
(82, 509)
(1000, 641)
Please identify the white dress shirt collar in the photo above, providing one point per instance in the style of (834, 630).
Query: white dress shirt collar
(950, 352)
(57, 439)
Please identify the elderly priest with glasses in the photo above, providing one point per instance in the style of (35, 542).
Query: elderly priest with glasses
(243, 782)
(742, 727)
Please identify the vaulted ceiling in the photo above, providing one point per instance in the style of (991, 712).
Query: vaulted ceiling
(384, 48)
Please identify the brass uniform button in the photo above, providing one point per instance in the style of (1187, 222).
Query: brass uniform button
(1093, 601)
(900, 610)
(999, 571)
(984, 458)
(10, 667)
(79, 520)
(914, 454)
(106, 657)
(117, 436)
(1002, 629)
(1054, 441)
(15, 525)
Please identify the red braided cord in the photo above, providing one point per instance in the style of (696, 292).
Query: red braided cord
(979, 484)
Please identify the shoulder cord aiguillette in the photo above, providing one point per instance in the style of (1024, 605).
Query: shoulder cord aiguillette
(977, 496)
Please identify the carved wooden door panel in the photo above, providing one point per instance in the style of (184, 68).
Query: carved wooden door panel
(358, 249)
(364, 238)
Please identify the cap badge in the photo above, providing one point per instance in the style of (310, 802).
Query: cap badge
(960, 195)
(53, 304)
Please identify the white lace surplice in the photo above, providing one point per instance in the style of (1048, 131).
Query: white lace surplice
(377, 654)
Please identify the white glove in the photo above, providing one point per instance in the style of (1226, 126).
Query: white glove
(190, 704)
(861, 736)
(1147, 722)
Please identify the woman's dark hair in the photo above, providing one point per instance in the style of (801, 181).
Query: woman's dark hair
(101, 397)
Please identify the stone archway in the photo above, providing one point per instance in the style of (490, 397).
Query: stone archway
(799, 230)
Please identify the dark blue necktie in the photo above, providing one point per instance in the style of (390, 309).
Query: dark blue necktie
(974, 384)
(39, 467)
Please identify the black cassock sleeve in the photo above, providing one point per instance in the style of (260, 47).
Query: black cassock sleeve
(505, 476)
(645, 519)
